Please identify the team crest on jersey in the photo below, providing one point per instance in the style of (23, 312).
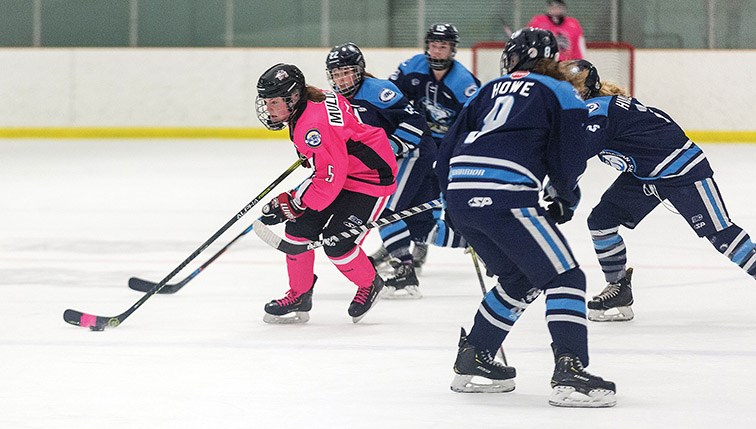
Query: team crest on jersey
(470, 90)
(617, 160)
(519, 74)
(387, 95)
(313, 138)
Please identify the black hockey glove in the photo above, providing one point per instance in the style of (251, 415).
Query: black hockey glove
(280, 209)
(559, 211)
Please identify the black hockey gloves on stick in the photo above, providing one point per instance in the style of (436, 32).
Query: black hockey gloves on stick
(291, 248)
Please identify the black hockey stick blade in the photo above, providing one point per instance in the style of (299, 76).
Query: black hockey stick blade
(145, 285)
(94, 323)
(294, 248)
(98, 323)
(142, 285)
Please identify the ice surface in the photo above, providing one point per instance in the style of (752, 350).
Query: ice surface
(79, 217)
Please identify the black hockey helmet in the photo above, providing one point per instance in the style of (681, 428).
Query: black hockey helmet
(526, 47)
(281, 80)
(443, 32)
(348, 59)
(592, 80)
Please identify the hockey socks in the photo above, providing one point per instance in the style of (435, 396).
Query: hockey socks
(495, 317)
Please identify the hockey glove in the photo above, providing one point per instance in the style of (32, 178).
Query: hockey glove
(559, 211)
(280, 209)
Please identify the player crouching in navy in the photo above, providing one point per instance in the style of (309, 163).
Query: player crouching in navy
(354, 175)
(380, 103)
(515, 131)
(657, 161)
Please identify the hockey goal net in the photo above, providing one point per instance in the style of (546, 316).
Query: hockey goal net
(615, 61)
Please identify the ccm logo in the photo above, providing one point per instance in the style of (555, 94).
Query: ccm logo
(480, 201)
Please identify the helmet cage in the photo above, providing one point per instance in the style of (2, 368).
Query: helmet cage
(345, 80)
(263, 114)
(282, 80)
(441, 33)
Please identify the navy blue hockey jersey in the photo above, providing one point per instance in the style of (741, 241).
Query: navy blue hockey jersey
(643, 141)
(440, 101)
(381, 104)
(516, 130)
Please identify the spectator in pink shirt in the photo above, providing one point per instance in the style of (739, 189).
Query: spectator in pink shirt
(567, 30)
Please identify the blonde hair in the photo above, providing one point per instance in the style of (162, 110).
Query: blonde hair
(551, 68)
(611, 88)
(578, 81)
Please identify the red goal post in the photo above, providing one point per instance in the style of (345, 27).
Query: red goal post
(615, 61)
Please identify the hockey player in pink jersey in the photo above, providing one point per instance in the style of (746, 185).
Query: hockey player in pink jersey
(355, 171)
(568, 32)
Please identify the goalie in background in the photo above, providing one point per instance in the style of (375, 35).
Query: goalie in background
(354, 175)
(657, 162)
(491, 166)
(380, 103)
(568, 31)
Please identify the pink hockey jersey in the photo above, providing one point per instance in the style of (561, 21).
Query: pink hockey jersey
(345, 153)
(569, 36)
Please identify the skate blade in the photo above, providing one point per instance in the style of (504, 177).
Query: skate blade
(564, 396)
(616, 314)
(475, 384)
(290, 319)
(408, 292)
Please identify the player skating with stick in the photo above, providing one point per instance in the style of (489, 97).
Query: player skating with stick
(354, 174)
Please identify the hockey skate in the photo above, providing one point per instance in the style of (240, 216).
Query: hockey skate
(613, 304)
(575, 387)
(279, 311)
(419, 255)
(365, 299)
(478, 372)
(404, 284)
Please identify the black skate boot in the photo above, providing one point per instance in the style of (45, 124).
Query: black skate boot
(617, 297)
(365, 299)
(404, 284)
(419, 255)
(479, 363)
(276, 310)
(575, 387)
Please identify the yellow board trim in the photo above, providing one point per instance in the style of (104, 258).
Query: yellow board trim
(722, 136)
(254, 133)
(141, 133)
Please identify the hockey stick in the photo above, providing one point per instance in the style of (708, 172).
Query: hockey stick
(98, 323)
(483, 289)
(270, 237)
(142, 285)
